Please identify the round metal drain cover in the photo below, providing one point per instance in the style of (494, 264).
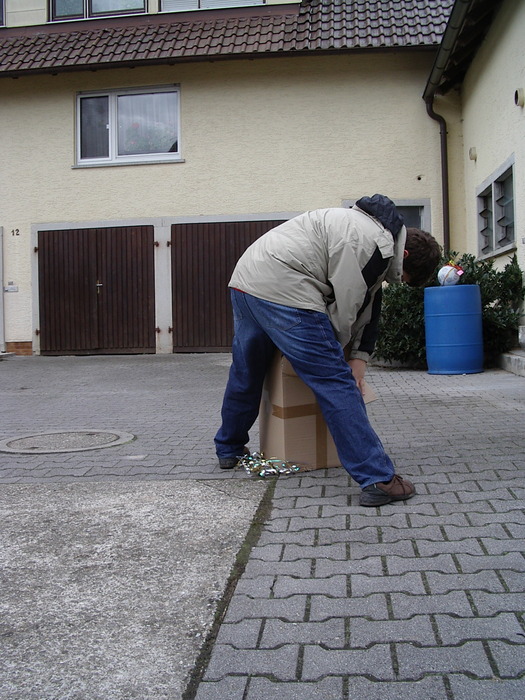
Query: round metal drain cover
(65, 441)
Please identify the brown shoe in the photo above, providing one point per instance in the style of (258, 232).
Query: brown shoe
(397, 489)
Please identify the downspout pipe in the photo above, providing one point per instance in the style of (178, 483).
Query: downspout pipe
(444, 170)
(448, 43)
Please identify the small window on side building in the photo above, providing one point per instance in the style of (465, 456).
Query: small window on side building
(496, 214)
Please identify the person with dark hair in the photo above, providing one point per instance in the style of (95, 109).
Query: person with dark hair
(311, 288)
(422, 257)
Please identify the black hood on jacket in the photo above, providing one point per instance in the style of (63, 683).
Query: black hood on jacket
(383, 209)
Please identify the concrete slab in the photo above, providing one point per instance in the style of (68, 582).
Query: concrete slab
(109, 590)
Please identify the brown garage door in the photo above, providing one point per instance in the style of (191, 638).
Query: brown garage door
(96, 291)
(203, 258)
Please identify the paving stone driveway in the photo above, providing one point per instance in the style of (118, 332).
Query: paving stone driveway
(419, 600)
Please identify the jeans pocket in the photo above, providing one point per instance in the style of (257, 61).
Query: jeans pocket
(236, 307)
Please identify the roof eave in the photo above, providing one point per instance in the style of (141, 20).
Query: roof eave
(208, 58)
(447, 46)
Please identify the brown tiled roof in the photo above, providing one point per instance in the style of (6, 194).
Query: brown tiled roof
(313, 26)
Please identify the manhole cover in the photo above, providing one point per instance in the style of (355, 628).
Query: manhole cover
(65, 441)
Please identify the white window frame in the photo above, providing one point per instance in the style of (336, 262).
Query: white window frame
(490, 187)
(113, 158)
(87, 14)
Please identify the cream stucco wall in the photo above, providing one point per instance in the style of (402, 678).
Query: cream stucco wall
(493, 124)
(257, 137)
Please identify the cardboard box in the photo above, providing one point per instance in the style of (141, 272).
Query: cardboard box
(291, 426)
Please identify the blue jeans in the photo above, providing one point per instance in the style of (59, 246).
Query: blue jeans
(308, 341)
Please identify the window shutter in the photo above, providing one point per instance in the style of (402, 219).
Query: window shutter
(179, 5)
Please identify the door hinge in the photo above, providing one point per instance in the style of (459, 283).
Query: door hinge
(37, 332)
(156, 244)
(35, 249)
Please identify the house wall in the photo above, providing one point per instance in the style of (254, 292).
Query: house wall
(25, 12)
(492, 123)
(258, 137)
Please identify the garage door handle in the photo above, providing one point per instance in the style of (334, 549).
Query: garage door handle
(98, 286)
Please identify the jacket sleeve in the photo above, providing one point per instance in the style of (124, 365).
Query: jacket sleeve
(362, 344)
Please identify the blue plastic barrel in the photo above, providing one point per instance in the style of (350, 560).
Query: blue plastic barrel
(453, 329)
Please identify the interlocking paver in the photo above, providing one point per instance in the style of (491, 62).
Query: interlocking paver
(231, 687)
(501, 546)
(428, 548)
(325, 689)
(405, 605)
(513, 560)
(278, 663)
(291, 524)
(375, 662)
(411, 582)
(258, 567)
(373, 566)
(415, 662)
(488, 604)
(454, 630)
(373, 607)
(484, 581)
(464, 687)
(305, 537)
(242, 635)
(440, 562)
(359, 540)
(431, 688)
(418, 629)
(244, 606)
(330, 633)
(333, 585)
(495, 530)
(330, 551)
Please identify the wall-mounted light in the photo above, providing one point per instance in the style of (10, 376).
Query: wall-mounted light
(472, 153)
(519, 97)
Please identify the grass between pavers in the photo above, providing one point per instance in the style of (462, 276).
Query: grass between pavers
(251, 540)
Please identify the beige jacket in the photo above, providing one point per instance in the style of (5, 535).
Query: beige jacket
(330, 260)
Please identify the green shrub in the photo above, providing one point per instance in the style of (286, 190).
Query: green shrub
(402, 325)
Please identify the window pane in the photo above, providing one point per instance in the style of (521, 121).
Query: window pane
(147, 123)
(411, 215)
(485, 213)
(94, 133)
(68, 8)
(505, 210)
(108, 6)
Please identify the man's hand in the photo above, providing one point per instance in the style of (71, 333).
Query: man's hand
(358, 368)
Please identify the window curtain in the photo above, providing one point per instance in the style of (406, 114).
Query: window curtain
(147, 123)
